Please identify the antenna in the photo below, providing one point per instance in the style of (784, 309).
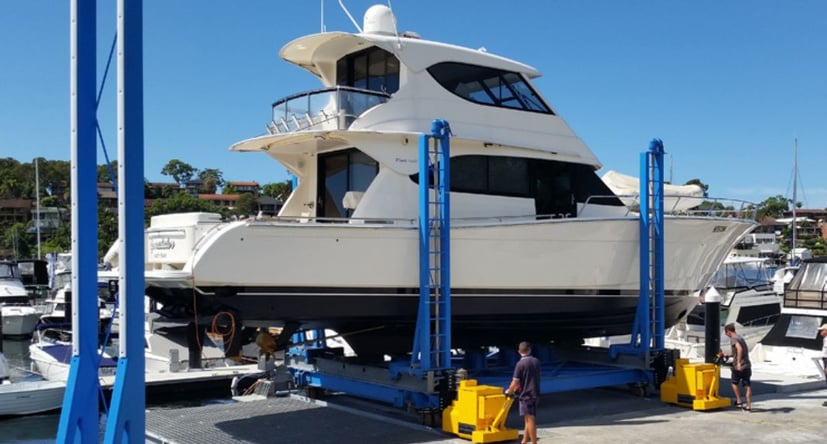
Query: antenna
(37, 194)
(795, 198)
(322, 16)
(350, 16)
(395, 26)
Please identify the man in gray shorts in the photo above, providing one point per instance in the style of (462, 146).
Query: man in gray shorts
(526, 381)
(741, 367)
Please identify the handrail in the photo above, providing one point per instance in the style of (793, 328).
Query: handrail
(747, 210)
(326, 90)
(329, 108)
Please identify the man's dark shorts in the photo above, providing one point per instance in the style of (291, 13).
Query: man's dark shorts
(528, 407)
(742, 377)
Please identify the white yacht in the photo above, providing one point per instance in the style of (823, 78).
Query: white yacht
(19, 316)
(793, 346)
(541, 249)
(749, 301)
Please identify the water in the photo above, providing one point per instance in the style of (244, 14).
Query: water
(33, 429)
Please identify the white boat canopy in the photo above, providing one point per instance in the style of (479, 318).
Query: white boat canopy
(676, 197)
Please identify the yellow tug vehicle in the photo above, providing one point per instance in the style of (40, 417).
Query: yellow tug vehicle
(479, 413)
(694, 386)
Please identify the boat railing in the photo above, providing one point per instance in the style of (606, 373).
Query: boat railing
(707, 206)
(481, 220)
(325, 109)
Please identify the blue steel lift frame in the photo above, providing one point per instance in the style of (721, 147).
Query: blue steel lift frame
(567, 370)
(126, 421)
(79, 420)
(649, 322)
(406, 383)
(80, 416)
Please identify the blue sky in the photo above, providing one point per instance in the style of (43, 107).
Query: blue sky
(727, 85)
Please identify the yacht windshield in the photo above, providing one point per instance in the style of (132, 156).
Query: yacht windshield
(741, 275)
(488, 86)
(8, 271)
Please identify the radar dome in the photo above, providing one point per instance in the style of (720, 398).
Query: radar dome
(379, 19)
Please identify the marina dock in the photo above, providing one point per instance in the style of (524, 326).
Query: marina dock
(786, 408)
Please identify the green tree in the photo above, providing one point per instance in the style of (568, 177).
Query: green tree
(107, 229)
(181, 172)
(698, 182)
(247, 205)
(278, 190)
(103, 172)
(212, 180)
(773, 206)
(51, 201)
(229, 189)
(18, 242)
(60, 240)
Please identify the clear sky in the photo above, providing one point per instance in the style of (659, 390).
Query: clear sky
(727, 85)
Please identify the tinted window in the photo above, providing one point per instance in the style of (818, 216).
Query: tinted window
(556, 187)
(340, 172)
(373, 68)
(488, 86)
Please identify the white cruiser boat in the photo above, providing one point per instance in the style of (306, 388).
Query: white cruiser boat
(541, 249)
(749, 301)
(27, 397)
(793, 346)
(19, 316)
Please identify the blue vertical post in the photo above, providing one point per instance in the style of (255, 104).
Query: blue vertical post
(432, 338)
(656, 150)
(79, 417)
(126, 420)
(422, 345)
(649, 323)
(644, 320)
(441, 131)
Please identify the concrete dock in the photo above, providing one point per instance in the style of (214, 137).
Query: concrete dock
(786, 408)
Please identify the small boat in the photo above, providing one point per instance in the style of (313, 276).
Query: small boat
(749, 301)
(19, 316)
(27, 397)
(51, 354)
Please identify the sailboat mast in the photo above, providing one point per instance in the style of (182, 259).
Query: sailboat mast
(795, 197)
(37, 197)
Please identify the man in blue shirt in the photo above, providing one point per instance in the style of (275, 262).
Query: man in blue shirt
(526, 382)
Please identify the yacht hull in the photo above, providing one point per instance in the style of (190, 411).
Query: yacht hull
(30, 397)
(541, 280)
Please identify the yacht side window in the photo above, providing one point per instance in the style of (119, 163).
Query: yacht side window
(373, 69)
(488, 86)
(555, 187)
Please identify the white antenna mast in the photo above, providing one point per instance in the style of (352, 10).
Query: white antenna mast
(37, 195)
(350, 16)
(322, 16)
(795, 197)
(395, 26)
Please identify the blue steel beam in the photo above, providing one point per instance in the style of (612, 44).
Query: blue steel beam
(79, 418)
(656, 151)
(126, 421)
(649, 323)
